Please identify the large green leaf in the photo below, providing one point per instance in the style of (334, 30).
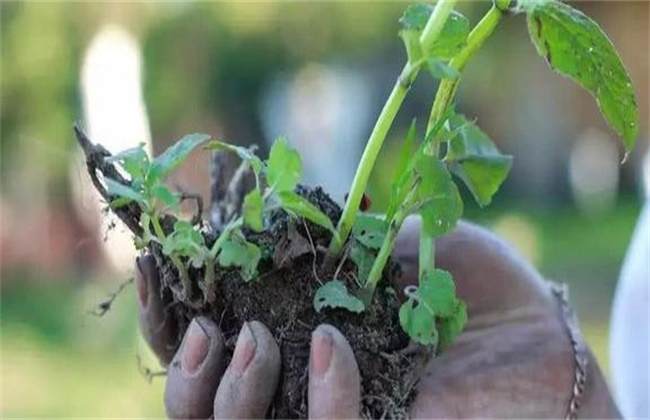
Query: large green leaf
(442, 205)
(171, 158)
(134, 161)
(296, 204)
(474, 158)
(334, 294)
(284, 166)
(575, 46)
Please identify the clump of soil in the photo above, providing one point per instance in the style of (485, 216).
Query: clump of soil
(282, 298)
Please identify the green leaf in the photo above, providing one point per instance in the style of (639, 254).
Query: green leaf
(442, 203)
(134, 161)
(416, 16)
(186, 241)
(284, 166)
(575, 46)
(166, 196)
(451, 326)
(450, 41)
(123, 193)
(252, 210)
(370, 230)
(171, 158)
(296, 204)
(244, 154)
(474, 158)
(441, 70)
(435, 297)
(364, 258)
(418, 323)
(334, 294)
(236, 251)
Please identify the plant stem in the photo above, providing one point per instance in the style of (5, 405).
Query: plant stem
(224, 235)
(444, 96)
(410, 71)
(475, 40)
(158, 230)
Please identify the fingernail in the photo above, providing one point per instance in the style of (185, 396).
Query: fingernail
(141, 284)
(321, 351)
(195, 347)
(244, 350)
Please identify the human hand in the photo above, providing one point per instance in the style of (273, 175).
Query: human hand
(199, 385)
(514, 358)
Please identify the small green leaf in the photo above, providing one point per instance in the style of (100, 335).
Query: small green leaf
(452, 39)
(334, 294)
(575, 46)
(135, 161)
(370, 230)
(166, 196)
(441, 70)
(451, 326)
(416, 16)
(284, 166)
(244, 153)
(364, 258)
(296, 204)
(442, 205)
(474, 158)
(236, 251)
(418, 323)
(252, 210)
(123, 193)
(435, 297)
(186, 241)
(171, 158)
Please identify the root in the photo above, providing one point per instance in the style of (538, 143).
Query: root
(105, 306)
(148, 373)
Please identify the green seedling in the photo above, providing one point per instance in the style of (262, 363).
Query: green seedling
(452, 150)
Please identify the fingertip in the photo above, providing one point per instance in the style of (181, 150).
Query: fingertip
(334, 384)
(193, 375)
(250, 381)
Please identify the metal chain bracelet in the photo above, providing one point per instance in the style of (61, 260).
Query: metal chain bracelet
(578, 346)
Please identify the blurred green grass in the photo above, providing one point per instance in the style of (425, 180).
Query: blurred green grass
(59, 361)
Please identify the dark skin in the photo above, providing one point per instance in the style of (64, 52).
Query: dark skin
(514, 358)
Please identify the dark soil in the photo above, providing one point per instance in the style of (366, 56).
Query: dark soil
(282, 299)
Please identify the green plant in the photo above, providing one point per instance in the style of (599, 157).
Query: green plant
(438, 39)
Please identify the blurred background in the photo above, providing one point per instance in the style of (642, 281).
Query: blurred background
(247, 72)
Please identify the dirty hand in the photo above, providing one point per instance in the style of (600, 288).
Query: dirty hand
(514, 358)
(200, 385)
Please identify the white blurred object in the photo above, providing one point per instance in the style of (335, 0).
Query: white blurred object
(323, 111)
(116, 117)
(630, 328)
(594, 171)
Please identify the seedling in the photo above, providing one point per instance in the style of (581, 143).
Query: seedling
(452, 148)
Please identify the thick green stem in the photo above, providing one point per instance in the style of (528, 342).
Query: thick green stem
(410, 71)
(444, 96)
